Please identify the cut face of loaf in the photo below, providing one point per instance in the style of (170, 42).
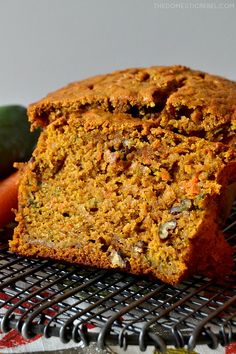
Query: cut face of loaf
(114, 192)
(176, 98)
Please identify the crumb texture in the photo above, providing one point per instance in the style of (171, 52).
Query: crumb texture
(117, 191)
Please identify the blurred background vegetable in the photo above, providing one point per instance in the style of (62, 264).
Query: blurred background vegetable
(17, 143)
(8, 198)
(16, 140)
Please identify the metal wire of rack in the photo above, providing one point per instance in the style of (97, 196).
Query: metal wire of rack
(90, 305)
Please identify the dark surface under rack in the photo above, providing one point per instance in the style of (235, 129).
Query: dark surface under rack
(88, 305)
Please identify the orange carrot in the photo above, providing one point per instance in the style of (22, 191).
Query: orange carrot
(165, 176)
(8, 198)
(192, 186)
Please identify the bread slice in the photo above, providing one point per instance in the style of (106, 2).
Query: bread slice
(190, 102)
(112, 191)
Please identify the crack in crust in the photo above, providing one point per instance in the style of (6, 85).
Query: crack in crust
(177, 98)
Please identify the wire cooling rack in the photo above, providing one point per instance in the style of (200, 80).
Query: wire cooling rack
(88, 305)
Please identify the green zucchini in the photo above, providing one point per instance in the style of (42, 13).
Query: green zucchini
(16, 140)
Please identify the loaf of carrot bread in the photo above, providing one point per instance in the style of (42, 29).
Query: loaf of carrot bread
(112, 190)
(131, 173)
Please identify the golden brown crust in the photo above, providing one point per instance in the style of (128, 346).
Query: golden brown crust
(112, 191)
(178, 98)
